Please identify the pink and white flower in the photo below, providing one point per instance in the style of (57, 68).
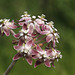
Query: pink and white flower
(26, 19)
(6, 26)
(25, 49)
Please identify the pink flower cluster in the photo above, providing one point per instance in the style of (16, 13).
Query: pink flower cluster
(36, 40)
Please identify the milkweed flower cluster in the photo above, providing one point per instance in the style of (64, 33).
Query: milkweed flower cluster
(36, 40)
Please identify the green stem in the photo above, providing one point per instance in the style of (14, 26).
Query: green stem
(10, 67)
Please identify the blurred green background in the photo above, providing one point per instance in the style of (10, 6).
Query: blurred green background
(62, 12)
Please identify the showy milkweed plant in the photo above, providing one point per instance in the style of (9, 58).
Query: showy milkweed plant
(36, 40)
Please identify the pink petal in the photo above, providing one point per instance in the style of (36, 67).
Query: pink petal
(17, 56)
(6, 31)
(29, 43)
(47, 27)
(12, 21)
(28, 38)
(22, 19)
(21, 23)
(39, 48)
(33, 44)
(29, 60)
(17, 47)
(24, 27)
(43, 27)
(37, 27)
(38, 62)
(34, 52)
(49, 52)
(20, 42)
(17, 35)
(49, 38)
(54, 43)
(31, 27)
(47, 63)
(45, 32)
(12, 26)
(33, 35)
(27, 18)
(34, 57)
(39, 21)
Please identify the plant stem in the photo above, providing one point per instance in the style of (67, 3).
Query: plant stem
(10, 67)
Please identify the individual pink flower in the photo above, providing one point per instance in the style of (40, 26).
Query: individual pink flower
(6, 26)
(24, 51)
(46, 30)
(26, 19)
(39, 22)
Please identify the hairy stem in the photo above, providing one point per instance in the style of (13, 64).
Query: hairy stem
(10, 67)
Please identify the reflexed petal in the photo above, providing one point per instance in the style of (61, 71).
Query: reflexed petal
(38, 62)
(28, 38)
(48, 28)
(54, 43)
(24, 27)
(48, 52)
(37, 28)
(34, 52)
(28, 22)
(45, 32)
(47, 63)
(18, 47)
(39, 21)
(20, 42)
(29, 60)
(18, 56)
(29, 43)
(17, 35)
(39, 48)
(27, 18)
(21, 23)
(22, 19)
(35, 57)
(31, 27)
(45, 27)
(33, 44)
(33, 35)
(12, 26)
(49, 38)
(6, 31)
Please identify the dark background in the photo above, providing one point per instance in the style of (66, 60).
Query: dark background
(62, 12)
